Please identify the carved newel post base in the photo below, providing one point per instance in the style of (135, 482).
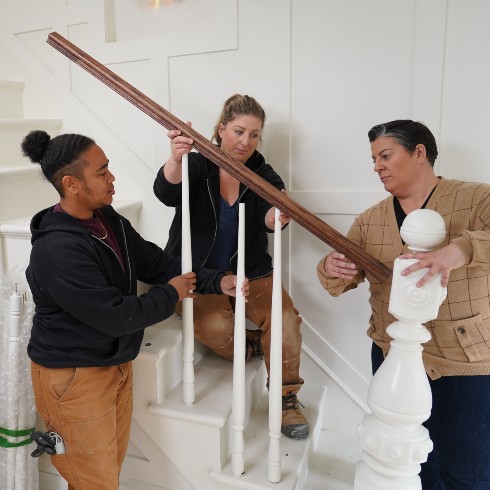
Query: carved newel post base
(392, 438)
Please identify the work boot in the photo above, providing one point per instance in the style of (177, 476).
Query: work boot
(294, 424)
(253, 344)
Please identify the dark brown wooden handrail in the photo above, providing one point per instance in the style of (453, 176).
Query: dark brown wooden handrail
(246, 176)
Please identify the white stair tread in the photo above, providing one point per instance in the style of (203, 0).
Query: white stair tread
(161, 337)
(294, 454)
(30, 123)
(213, 393)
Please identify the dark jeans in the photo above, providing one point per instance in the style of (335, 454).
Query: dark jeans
(459, 427)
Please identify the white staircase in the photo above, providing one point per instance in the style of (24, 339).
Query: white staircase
(173, 446)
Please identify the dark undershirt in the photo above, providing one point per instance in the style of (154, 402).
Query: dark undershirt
(99, 226)
(401, 215)
(226, 241)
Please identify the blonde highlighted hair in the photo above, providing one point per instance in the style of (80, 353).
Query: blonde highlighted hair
(236, 106)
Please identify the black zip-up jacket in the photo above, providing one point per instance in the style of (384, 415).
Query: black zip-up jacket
(87, 312)
(204, 195)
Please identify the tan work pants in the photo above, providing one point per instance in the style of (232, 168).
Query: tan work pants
(90, 408)
(214, 326)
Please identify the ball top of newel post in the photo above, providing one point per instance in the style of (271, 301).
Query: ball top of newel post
(423, 229)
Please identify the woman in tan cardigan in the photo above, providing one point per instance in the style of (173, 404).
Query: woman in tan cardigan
(457, 358)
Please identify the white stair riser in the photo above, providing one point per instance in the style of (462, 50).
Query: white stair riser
(23, 194)
(13, 131)
(11, 103)
(15, 248)
(158, 367)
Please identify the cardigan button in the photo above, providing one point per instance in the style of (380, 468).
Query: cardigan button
(461, 330)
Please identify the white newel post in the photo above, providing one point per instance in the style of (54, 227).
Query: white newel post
(275, 375)
(393, 441)
(238, 403)
(187, 304)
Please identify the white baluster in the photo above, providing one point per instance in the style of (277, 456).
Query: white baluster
(188, 378)
(238, 404)
(13, 386)
(21, 461)
(393, 440)
(32, 472)
(2, 267)
(275, 371)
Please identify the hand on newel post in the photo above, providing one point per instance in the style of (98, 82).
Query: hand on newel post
(394, 443)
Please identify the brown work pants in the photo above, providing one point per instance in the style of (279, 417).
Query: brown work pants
(90, 408)
(214, 326)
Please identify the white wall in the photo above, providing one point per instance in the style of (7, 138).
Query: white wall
(325, 71)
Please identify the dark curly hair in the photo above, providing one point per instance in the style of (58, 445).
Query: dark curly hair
(409, 134)
(58, 156)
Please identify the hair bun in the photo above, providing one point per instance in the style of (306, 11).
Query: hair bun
(35, 144)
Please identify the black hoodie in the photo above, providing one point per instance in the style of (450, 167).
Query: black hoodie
(204, 196)
(87, 310)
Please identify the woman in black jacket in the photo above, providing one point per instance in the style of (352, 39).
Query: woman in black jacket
(88, 325)
(214, 198)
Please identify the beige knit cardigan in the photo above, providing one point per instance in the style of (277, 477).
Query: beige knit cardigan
(460, 343)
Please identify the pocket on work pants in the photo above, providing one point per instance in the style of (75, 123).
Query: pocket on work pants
(49, 385)
(87, 412)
